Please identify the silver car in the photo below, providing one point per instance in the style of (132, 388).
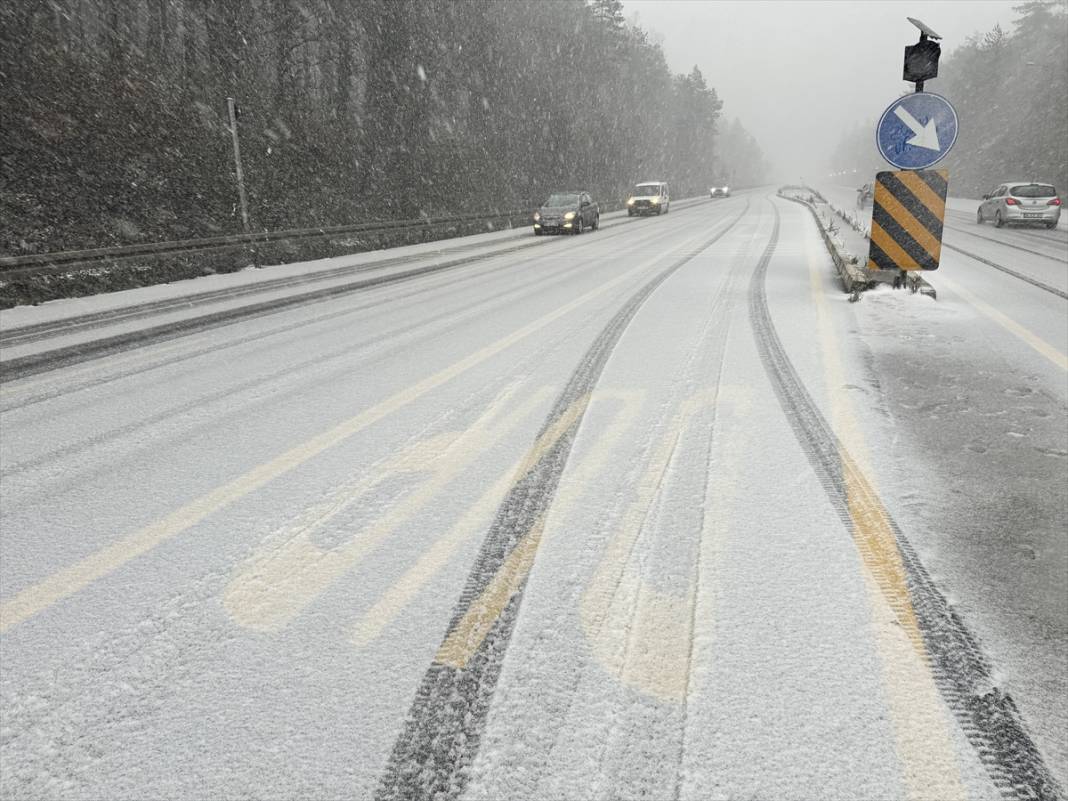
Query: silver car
(1021, 202)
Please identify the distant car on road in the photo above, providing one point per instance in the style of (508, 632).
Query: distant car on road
(1020, 203)
(719, 191)
(568, 213)
(649, 197)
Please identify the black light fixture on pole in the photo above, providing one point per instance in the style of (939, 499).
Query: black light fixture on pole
(921, 59)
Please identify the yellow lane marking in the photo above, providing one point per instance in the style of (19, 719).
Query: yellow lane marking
(922, 731)
(272, 588)
(382, 614)
(465, 639)
(891, 248)
(1038, 344)
(79, 575)
(639, 634)
(475, 519)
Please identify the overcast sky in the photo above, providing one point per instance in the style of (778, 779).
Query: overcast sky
(796, 72)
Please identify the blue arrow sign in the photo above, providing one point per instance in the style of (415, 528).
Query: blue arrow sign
(916, 131)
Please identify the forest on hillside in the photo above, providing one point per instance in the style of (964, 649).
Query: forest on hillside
(1009, 90)
(115, 124)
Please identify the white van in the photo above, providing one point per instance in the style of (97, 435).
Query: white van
(649, 197)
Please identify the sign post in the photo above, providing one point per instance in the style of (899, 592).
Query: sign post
(914, 133)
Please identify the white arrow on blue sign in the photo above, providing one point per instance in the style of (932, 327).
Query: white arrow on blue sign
(916, 131)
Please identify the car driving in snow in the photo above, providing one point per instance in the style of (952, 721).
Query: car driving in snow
(1021, 203)
(568, 213)
(649, 197)
(719, 191)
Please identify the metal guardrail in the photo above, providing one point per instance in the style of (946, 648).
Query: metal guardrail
(57, 261)
(855, 278)
(60, 260)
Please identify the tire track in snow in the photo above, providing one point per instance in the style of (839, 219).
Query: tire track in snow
(434, 752)
(1004, 243)
(988, 716)
(1009, 271)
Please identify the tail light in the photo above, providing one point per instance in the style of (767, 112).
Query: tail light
(1055, 202)
(1011, 201)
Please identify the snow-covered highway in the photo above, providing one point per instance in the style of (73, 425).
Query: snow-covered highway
(653, 512)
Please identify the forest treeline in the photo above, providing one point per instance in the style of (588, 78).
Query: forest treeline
(115, 129)
(1010, 91)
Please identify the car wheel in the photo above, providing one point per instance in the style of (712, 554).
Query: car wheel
(596, 223)
(979, 216)
(998, 222)
(1051, 225)
(537, 232)
(579, 228)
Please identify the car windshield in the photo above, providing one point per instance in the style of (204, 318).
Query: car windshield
(647, 189)
(1033, 190)
(562, 200)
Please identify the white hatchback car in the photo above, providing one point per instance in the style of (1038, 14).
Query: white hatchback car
(1021, 203)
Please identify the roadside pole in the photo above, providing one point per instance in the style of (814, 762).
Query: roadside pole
(231, 109)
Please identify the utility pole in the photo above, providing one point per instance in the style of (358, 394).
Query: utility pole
(231, 108)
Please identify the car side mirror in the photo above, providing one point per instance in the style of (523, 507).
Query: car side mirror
(585, 203)
(986, 197)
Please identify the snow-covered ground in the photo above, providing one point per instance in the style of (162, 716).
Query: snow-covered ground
(559, 524)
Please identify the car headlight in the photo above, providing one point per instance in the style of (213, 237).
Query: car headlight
(656, 200)
(569, 216)
(630, 201)
(537, 216)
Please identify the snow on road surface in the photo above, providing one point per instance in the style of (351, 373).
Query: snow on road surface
(652, 512)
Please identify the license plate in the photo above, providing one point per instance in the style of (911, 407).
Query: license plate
(1031, 216)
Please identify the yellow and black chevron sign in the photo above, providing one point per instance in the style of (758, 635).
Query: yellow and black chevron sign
(906, 220)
